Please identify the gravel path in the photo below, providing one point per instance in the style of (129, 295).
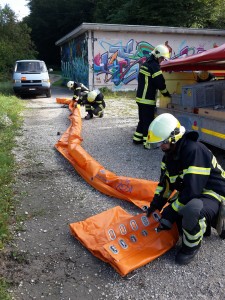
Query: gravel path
(45, 261)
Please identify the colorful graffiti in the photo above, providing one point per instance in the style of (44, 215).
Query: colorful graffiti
(74, 60)
(120, 63)
(115, 63)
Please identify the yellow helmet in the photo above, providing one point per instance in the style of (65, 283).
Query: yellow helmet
(204, 76)
(165, 127)
(70, 84)
(91, 96)
(161, 51)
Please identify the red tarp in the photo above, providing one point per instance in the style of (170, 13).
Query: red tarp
(213, 59)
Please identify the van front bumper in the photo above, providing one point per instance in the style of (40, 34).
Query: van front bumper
(21, 90)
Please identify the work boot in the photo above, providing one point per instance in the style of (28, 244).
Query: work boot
(150, 146)
(88, 117)
(186, 254)
(220, 226)
(138, 142)
(101, 115)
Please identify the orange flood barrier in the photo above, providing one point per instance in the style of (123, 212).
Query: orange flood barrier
(138, 191)
(124, 241)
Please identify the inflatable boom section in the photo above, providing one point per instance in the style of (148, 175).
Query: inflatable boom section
(116, 237)
(138, 191)
(124, 241)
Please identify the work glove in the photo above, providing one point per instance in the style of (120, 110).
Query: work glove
(164, 225)
(75, 98)
(150, 210)
(169, 214)
(167, 94)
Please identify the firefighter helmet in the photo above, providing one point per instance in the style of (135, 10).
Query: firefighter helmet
(70, 84)
(203, 76)
(91, 96)
(165, 128)
(161, 51)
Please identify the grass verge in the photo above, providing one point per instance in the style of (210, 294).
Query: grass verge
(10, 123)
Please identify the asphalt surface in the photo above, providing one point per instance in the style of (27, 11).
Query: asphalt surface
(49, 263)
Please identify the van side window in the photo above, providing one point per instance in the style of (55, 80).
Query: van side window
(43, 67)
(21, 67)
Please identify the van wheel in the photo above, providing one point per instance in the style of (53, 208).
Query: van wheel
(48, 94)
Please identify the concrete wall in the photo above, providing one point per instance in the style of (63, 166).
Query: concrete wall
(74, 59)
(112, 58)
(117, 56)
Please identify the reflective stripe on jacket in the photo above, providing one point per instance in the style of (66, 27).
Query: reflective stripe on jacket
(150, 79)
(193, 171)
(78, 89)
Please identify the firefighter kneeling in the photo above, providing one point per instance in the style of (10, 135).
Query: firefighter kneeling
(189, 168)
(92, 100)
(94, 104)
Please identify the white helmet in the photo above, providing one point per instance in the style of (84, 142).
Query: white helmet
(91, 96)
(70, 84)
(161, 51)
(165, 127)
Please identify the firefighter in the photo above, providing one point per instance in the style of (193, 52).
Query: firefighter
(189, 168)
(150, 80)
(92, 100)
(203, 76)
(94, 104)
(79, 90)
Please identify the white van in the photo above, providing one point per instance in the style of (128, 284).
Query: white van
(31, 77)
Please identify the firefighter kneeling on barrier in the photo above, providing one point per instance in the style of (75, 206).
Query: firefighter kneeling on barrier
(189, 168)
(92, 100)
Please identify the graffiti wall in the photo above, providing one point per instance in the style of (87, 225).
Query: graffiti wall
(112, 59)
(118, 56)
(74, 59)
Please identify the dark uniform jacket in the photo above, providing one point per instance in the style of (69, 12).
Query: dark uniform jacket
(79, 90)
(193, 171)
(95, 107)
(150, 79)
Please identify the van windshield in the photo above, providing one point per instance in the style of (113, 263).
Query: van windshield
(30, 67)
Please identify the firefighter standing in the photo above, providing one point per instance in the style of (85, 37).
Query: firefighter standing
(191, 169)
(92, 100)
(150, 80)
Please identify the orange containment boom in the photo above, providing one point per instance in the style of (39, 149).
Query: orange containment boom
(138, 191)
(124, 241)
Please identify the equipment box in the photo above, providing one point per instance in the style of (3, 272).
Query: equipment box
(199, 95)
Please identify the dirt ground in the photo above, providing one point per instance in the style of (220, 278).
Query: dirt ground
(44, 261)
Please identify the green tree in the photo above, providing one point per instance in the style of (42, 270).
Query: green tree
(217, 16)
(174, 13)
(15, 40)
(51, 20)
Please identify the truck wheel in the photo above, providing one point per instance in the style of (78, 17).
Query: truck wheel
(48, 94)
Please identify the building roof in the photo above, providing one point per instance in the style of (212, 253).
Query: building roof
(136, 28)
